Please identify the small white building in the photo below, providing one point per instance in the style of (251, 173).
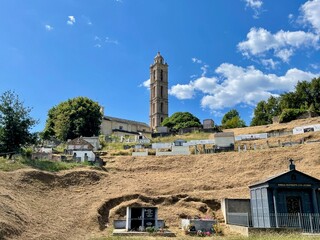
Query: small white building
(224, 139)
(81, 150)
(309, 128)
(246, 137)
(84, 155)
(94, 141)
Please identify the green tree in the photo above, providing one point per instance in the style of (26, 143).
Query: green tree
(181, 120)
(260, 114)
(289, 106)
(73, 118)
(265, 111)
(15, 124)
(315, 92)
(232, 120)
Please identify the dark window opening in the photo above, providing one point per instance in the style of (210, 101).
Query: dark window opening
(293, 204)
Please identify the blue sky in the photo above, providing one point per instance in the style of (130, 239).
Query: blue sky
(221, 54)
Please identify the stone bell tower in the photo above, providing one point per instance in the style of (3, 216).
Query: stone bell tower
(158, 91)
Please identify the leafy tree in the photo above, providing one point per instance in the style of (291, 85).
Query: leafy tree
(229, 115)
(181, 120)
(15, 124)
(265, 111)
(315, 92)
(260, 114)
(289, 106)
(232, 120)
(75, 117)
(290, 114)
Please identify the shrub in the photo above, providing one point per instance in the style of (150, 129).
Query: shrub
(26, 152)
(290, 114)
(150, 229)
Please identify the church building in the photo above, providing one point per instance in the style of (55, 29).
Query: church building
(158, 92)
(158, 105)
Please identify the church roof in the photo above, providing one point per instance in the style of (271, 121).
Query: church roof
(109, 118)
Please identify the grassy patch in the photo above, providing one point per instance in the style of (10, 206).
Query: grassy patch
(187, 136)
(45, 165)
(10, 165)
(51, 166)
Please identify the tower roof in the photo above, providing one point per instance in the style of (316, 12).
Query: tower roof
(158, 58)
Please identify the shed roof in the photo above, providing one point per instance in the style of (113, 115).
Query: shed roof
(80, 142)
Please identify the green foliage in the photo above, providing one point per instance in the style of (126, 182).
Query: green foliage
(288, 115)
(15, 123)
(232, 120)
(73, 118)
(9, 165)
(45, 165)
(151, 229)
(50, 166)
(181, 120)
(229, 115)
(265, 111)
(306, 96)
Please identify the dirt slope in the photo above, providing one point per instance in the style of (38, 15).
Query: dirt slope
(81, 203)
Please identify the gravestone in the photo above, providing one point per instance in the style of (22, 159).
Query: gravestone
(139, 218)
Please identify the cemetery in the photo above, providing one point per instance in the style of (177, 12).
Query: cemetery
(287, 201)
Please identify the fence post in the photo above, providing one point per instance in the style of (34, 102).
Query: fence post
(299, 217)
(311, 225)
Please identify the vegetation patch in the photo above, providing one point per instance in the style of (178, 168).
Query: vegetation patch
(10, 165)
(45, 165)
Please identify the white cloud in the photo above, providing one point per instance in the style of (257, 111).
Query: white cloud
(282, 44)
(48, 27)
(145, 84)
(284, 54)
(269, 63)
(71, 20)
(98, 45)
(256, 6)
(204, 69)
(238, 85)
(182, 91)
(108, 40)
(196, 60)
(315, 66)
(311, 14)
(205, 85)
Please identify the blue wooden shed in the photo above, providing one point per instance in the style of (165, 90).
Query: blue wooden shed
(285, 198)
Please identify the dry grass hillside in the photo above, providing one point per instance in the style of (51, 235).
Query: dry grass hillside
(81, 203)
